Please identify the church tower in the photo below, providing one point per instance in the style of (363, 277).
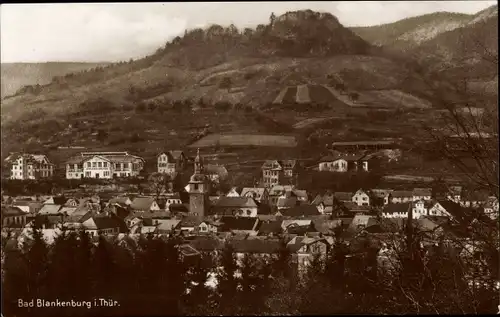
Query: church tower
(198, 189)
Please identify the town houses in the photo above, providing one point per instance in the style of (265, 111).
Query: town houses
(105, 165)
(255, 216)
(29, 166)
(275, 172)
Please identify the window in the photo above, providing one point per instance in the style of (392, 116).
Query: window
(195, 186)
(87, 174)
(89, 164)
(99, 164)
(94, 164)
(105, 164)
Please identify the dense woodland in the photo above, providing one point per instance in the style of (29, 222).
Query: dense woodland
(150, 277)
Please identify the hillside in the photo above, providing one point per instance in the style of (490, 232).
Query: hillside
(470, 52)
(411, 32)
(220, 80)
(16, 75)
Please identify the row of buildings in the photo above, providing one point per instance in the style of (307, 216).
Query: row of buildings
(109, 165)
(250, 218)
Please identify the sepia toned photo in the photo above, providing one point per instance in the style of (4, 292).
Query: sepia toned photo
(249, 158)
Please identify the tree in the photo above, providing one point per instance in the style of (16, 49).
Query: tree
(37, 257)
(272, 18)
(159, 183)
(199, 295)
(227, 281)
(467, 138)
(14, 278)
(103, 270)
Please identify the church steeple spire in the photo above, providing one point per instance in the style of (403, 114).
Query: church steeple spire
(198, 163)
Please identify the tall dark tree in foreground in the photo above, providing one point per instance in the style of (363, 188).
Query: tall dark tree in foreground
(200, 298)
(227, 280)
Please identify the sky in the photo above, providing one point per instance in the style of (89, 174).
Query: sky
(111, 32)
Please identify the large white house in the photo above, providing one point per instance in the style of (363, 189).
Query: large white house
(105, 165)
(29, 166)
(171, 162)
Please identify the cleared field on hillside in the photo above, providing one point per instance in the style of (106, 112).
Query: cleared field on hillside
(307, 123)
(391, 99)
(245, 140)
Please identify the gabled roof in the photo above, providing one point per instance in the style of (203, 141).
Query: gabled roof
(327, 226)
(397, 208)
(50, 209)
(287, 202)
(212, 169)
(360, 192)
(190, 221)
(238, 223)
(348, 158)
(79, 215)
(401, 194)
(67, 210)
(176, 154)
(9, 211)
(380, 193)
(33, 158)
(267, 227)
(458, 212)
(301, 193)
(301, 223)
(298, 242)
(343, 196)
(236, 202)
(422, 192)
(362, 220)
(272, 164)
(303, 210)
(148, 229)
(188, 250)
(172, 154)
(280, 189)
(256, 246)
(326, 199)
(168, 224)
(121, 200)
(101, 222)
(33, 205)
(142, 203)
(258, 191)
(353, 207)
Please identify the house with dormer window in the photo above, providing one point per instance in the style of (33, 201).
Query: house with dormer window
(279, 172)
(29, 166)
(106, 165)
(171, 162)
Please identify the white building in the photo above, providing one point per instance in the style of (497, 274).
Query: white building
(29, 166)
(419, 209)
(171, 162)
(422, 194)
(105, 165)
(361, 198)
